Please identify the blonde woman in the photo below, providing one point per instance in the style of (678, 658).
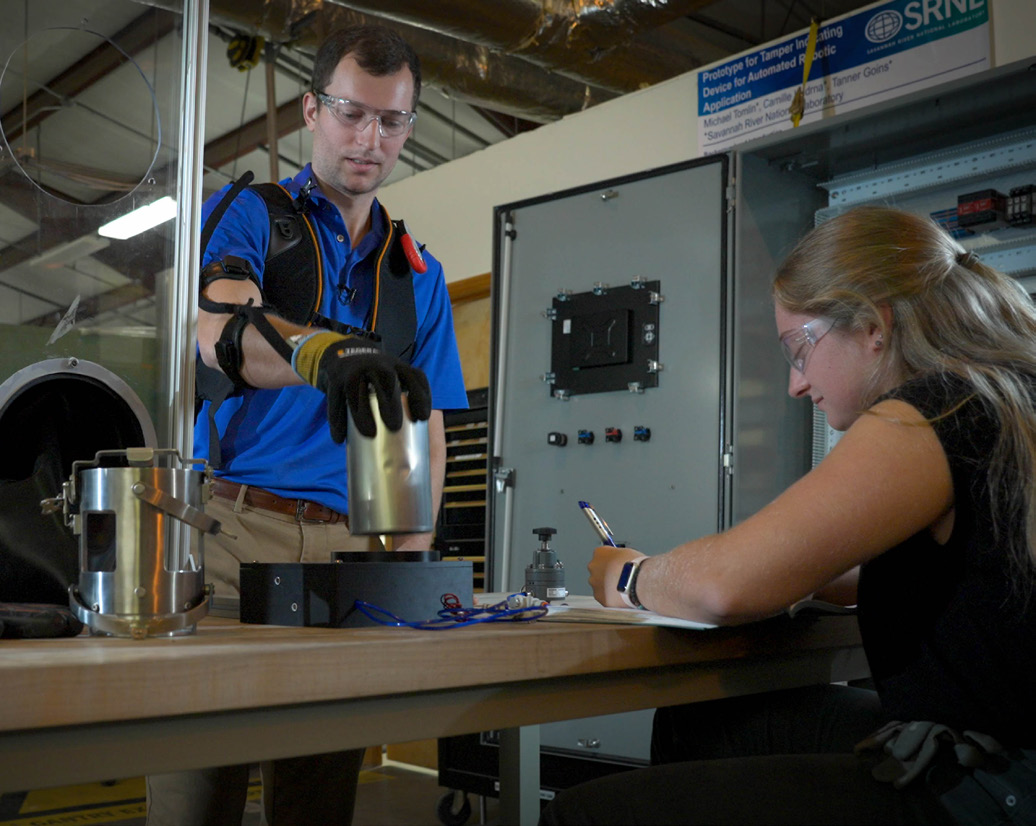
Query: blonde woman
(924, 514)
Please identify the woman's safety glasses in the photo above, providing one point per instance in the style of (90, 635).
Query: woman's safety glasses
(797, 344)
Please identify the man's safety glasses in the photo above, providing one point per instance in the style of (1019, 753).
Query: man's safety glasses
(797, 344)
(391, 123)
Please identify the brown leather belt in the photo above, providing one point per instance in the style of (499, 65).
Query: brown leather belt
(301, 509)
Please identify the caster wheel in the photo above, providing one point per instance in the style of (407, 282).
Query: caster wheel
(453, 808)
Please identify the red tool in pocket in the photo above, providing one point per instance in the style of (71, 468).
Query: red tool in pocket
(413, 251)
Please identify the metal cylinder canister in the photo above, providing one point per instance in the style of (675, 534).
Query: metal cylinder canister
(136, 578)
(390, 477)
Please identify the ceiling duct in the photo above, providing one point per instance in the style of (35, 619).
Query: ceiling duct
(613, 44)
(474, 73)
(534, 59)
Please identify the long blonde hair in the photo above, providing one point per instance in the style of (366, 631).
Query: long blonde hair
(950, 313)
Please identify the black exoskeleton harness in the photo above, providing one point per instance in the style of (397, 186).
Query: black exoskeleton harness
(292, 288)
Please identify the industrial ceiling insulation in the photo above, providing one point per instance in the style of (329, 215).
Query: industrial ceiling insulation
(538, 59)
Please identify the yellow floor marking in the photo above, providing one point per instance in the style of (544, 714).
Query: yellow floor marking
(88, 794)
(124, 799)
(111, 814)
(373, 776)
(86, 804)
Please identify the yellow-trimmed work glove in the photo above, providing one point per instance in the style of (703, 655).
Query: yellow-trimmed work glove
(347, 369)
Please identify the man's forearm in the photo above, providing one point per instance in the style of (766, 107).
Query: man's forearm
(261, 365)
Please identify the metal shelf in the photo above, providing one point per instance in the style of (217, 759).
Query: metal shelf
(998, 162)
(460, 532)
(1012, 153)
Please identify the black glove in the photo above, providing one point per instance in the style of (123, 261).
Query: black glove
(347, 368)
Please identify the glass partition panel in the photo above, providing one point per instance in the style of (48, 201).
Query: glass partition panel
(92, 98)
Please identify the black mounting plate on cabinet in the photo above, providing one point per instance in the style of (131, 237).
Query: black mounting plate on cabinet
(605, 339)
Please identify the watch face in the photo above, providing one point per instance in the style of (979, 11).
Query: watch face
(625, 576)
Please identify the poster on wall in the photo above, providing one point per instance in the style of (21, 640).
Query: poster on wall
(859, 59)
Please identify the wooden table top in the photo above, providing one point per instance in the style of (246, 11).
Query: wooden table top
(228, 665)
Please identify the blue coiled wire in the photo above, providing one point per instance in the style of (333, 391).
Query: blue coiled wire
(514, 608)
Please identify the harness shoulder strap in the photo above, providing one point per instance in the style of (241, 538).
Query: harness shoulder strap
(210, 384)
(293, 278)
(217, 214)
(394, 311)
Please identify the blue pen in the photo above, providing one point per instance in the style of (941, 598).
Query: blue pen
(599, 524)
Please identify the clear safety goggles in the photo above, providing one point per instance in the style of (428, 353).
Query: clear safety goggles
(392, 123)
(798, 344)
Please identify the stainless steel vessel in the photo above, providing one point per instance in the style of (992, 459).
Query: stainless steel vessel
(390, 487)
(128, 507)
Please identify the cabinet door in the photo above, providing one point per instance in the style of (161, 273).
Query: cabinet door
(591, 257)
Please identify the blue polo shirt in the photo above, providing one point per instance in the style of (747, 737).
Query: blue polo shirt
(279, 439)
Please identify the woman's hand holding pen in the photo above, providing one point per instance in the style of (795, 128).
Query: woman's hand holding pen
(605, 568)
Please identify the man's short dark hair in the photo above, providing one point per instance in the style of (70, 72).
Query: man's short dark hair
(378, 50)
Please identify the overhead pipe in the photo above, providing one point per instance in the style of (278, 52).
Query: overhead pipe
(614, 44)
(475, 73)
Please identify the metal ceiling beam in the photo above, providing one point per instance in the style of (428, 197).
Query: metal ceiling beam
(508, 125)
(22, 195)
(134, 260)
(113, 300)
(141, 33)
(250, 136)
(429, 112)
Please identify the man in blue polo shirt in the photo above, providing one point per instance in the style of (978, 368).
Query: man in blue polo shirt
(281, 486)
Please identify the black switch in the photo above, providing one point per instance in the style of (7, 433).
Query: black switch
(557, 439)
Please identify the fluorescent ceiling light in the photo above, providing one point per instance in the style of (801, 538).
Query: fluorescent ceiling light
(142, 218)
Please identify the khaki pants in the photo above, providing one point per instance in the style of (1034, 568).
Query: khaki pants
(302, 791)
(317, 790)
(266, 536)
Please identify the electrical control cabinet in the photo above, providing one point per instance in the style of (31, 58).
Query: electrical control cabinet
(613, 364)
(615, 319)
(611, 320)
(677, 423)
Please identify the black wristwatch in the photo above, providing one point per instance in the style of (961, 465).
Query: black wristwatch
(627, 585)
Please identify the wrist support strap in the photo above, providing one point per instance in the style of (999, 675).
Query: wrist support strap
(306, 359)
(310, 350)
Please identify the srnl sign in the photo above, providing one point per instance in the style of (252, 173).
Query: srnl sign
(862, 58)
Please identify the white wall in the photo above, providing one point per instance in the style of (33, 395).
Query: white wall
(450, 208)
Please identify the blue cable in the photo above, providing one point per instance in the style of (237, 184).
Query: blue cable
(456, 617)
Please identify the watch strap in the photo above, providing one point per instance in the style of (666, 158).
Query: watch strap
(630, 572)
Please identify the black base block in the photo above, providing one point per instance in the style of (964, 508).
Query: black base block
(325, 594)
